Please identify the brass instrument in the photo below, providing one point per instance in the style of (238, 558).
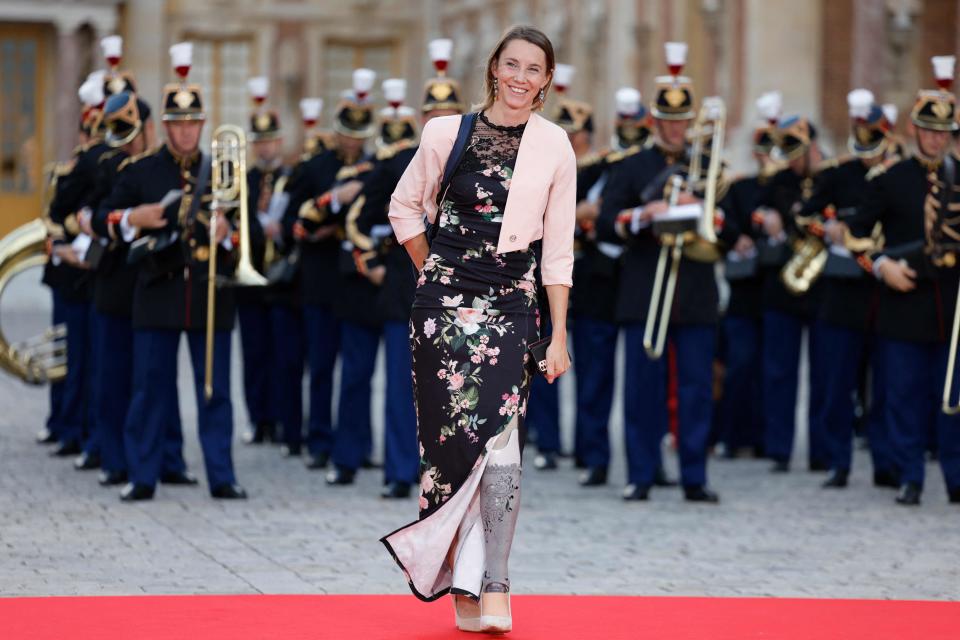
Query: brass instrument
(229, 186)
(947, 407)
(695, 238)
(805, 265)
(43, 358)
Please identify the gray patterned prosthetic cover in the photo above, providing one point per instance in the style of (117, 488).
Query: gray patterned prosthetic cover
(499, 507)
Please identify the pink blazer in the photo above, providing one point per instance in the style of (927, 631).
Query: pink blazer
(541, 202)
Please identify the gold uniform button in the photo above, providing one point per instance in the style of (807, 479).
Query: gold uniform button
(513, 238)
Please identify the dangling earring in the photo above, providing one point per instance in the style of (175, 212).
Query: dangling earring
(496, 88)
(541, 96)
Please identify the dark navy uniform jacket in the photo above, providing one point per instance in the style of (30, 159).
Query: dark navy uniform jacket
(697, 298)
(171, 289)
(845, 302)
(258, 179)
(72, 192)
(319, 260)
(115, 279)
(743, 198)
(595, 274)
(787, 194)
(904, 199)
(395, 298)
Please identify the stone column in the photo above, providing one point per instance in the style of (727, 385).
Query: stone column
(869, 46)
(65, 89)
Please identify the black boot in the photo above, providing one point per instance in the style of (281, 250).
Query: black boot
(909, 494)
(780, 466)
(699, 493)
(886, 479)
(341, 476)
(66, 450)
(111, 478)
(818, 465)
(837, 480)
(396, 490)
(46, 437)
(636, 493)
(181, 478)
(228, 492)
(954, 495)
(546, 461)
(317, 462)
(133, 492)
(594, 477)
(87, 462)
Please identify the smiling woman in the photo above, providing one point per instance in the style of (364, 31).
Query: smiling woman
(475, 314)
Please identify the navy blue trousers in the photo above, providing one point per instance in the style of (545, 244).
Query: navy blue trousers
(741, 409)
(914, 380)
(401, 451)
(594, 353)
(782, 338)
(286, 376)
(353, 439)
(56, 388)
(255, 341)
(76, 409)
(322, 332)
(878, 429)
(645, 402)
(114, 383)
(844, 349)
(543, 410)
(154, 410)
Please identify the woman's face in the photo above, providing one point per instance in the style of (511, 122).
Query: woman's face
(521, 72)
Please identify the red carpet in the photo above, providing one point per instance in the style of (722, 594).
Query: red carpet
(403, 617)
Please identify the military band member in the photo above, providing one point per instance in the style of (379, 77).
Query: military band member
(56, 270)
(70, 276)
(253, 308)
(844, 317)
(786, 313)
(635, 196)
(172, 232)
(326, 185)
(740, 413)
(592, 306)
(914, 200)
(129, 132)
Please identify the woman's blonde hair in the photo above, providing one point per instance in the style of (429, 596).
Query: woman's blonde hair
(526, 33)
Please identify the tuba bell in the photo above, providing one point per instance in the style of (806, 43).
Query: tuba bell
(42, 358)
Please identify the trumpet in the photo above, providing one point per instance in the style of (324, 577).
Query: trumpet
(229, 186)
(686, 230)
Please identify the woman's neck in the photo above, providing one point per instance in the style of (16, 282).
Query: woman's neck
(502, 115)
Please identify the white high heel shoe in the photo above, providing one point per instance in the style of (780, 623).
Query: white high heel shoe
(472, 623)
(497, 624)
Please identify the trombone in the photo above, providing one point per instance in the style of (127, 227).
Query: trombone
(688, 229)
(229, 186)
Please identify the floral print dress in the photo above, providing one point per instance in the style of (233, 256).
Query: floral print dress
(474, 314)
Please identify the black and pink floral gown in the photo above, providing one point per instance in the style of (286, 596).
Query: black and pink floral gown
(474, 314)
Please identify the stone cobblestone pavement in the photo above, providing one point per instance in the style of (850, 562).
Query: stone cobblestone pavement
(62, 534)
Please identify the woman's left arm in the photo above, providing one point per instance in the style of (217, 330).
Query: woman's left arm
(558, 357)
(559, 222)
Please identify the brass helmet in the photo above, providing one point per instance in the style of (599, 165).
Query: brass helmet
(673, 99)
(92, 96)
(354, 114)
(633, 123)
(441, 92)
(264, 124)
(936, 109)
(794, 136)
(769, 107)
(182, 101)
(115, 81)
(868, 134)
(397, 122)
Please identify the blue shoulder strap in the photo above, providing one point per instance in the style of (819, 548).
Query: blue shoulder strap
(467, 121)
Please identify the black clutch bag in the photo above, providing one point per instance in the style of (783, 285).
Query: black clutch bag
(538, 350)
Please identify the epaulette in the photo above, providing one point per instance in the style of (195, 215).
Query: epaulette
(106, 155)
(137, 158)
(354, 170)
(390, 150)
(64, 168)
(592, 158)
(881, 168)
(617, 156)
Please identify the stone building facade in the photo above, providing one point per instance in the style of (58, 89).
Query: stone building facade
(814, 51)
